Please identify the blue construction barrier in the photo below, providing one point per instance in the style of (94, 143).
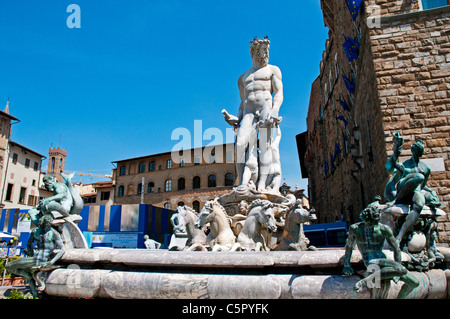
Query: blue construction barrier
(120, 226)
(327, 234)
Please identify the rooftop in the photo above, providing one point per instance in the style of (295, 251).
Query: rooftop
(9, 116)
(26, 148)
(167, 153)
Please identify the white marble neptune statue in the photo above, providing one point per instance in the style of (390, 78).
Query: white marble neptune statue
(261, 92)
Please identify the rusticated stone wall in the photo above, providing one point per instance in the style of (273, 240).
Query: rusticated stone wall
(411, 55)
(402, 83)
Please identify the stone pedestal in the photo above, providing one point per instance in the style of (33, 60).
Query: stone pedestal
(178, 242)
(162, 274)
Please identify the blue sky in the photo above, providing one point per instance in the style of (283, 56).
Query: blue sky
(136, 70)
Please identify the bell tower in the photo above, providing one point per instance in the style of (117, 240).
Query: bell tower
(56, 161)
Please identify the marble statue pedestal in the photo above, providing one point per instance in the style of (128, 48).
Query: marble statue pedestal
(162, 274)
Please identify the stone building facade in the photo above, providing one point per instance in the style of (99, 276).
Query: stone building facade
(99, 193)
(401, 82)
(162, 180)
(6, 120)
(20, 168)
(22, 177)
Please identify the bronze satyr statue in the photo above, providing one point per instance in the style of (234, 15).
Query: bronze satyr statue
(370, 236)
(43, 258)
(408, 184)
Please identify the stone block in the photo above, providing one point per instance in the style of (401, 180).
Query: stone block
(447, 276)
(440, 73)
(243, 287)
(402, 64)
(435, 34)
(443, 128)
(406, 56)
(423, 75)
(441, 94)
(391, 29)
(436, 122)
(403, 78)
(420, 90)
(388, 92)
(327, 287)
(387, 65)
(416, 123)
(153, 285)
(446, 252)
(399, 111)
(405, 90)
(402, 45)
(75, 282)
(438, 284)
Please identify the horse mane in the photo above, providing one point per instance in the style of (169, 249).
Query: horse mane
(190, 210)
(211, 203)
(260, 202)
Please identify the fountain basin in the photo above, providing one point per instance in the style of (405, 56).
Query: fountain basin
(163, 274)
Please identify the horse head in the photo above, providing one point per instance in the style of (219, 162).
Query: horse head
(183, 218)
(263, 210)
(302, 215)
(205, 215)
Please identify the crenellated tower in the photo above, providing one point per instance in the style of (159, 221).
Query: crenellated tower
(56, 161)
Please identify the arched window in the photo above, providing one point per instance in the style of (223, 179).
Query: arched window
(167, 205)
(139, 189)
(229, 181)
(181, 184)
(196, 205)
(141, 167)
(151, 166)
(180, 204)
(150, 187)
(212, 180)
(121, 191)
(196, 182)
(168, 185)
